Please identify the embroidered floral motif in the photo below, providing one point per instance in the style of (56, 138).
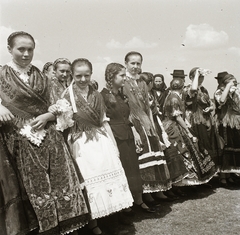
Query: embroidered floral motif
(110, 192)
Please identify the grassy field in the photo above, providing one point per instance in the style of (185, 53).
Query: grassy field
(204, 211)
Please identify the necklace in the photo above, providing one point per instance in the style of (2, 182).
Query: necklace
(23, 73)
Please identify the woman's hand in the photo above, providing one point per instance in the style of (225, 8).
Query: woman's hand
(5, 114)
(40, 121)
(54, 109)
(194, 139)
(137, 137)
(208, 109)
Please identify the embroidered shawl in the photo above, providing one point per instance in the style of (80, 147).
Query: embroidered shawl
(24, 101)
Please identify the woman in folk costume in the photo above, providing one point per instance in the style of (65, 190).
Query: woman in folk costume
(40, 155)
(61, 80)
(199, 109)
(153, 166)
(160, 91)
(94, 148)
(176, 166)
(200, 168)
(227, 98)
(118, 111)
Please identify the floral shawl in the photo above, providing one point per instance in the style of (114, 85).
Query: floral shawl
(24, 101)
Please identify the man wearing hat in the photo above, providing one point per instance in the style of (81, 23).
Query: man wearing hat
(178, 74)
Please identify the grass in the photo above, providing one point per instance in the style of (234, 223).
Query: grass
(204, 211)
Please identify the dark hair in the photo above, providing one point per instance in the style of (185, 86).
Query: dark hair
(46, 66)
(82, 61)
(94, 84)
(192, 72)
(110, 73)
(177, 84)
(147, 78)
(13, 36)
(61, 61)
(126, 59)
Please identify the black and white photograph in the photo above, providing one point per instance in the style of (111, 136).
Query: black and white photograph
(119, 117)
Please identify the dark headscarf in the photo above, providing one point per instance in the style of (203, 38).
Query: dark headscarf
(163, 86)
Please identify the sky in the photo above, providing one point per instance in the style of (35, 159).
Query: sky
(170, 34)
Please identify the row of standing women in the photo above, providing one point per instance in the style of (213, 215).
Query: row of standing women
(71, 155)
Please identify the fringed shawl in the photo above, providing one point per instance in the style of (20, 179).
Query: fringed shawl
(139, 104)
(24, 101)
(89, 115)
(173, 106)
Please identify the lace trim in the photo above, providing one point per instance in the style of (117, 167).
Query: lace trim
(147, 188)
(22, 72)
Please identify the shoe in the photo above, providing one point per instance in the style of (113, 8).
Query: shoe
(147, 210)
(171, 195)
(223, 184)
(152, 203)
(180, 193)
(93, 233)
(130, 213)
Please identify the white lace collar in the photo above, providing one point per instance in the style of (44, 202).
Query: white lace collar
(22, 72)
(129, 75)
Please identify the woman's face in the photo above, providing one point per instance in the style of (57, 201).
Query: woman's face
(22, 51)
(63, 72)
(119, 79)
(82, 76)
(158, 82)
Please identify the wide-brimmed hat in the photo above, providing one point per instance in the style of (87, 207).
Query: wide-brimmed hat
(178, 73)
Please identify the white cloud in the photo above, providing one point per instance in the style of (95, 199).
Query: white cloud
(234, 50)
(204, 36)
(113, 44)
(135, 42)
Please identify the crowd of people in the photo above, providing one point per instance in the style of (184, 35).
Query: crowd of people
(71, 155)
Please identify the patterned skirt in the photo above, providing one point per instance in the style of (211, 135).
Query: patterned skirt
(50, 180)
(152, 163)
(16, 213)
(230, 160)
